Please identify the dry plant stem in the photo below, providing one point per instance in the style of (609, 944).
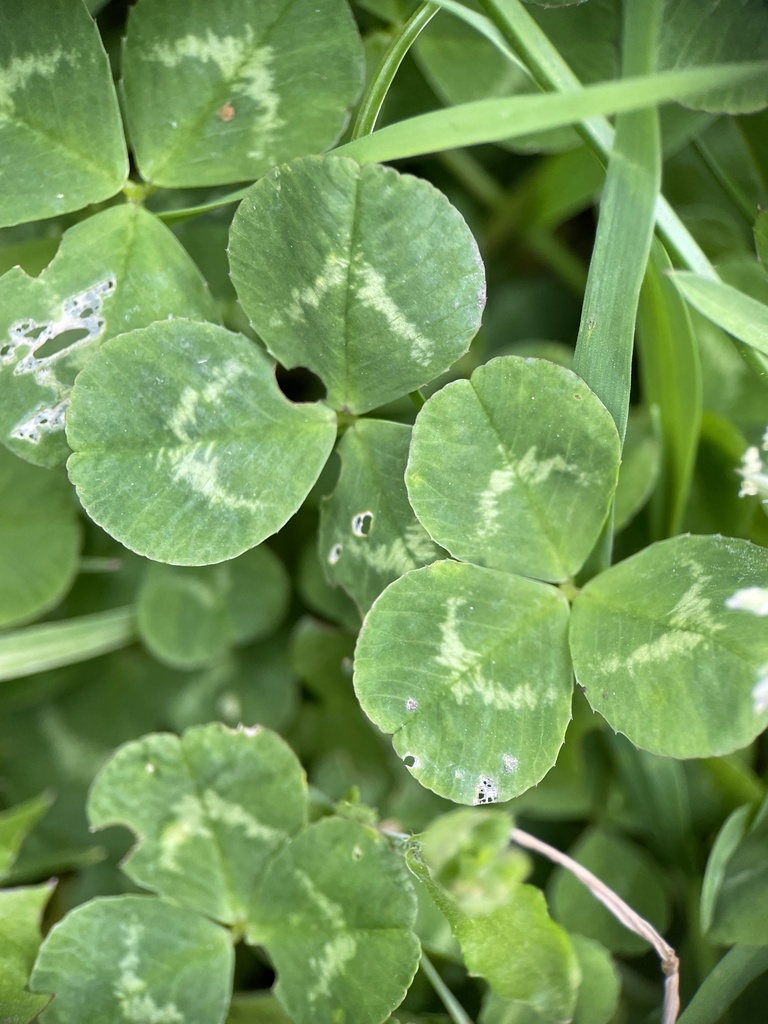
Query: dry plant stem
(623, 913)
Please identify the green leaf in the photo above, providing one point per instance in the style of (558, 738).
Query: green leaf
(626, 869)
(21, 911)
(135, 958)
(494, 120)
(330, 280)
(462, 66)
(39, 539)
(554, 3)
(761, 237)
(721, 32)
(600, 987)
(256, 1008)
(671, 375)
(515, 468)
(190, 617)
(605, 343)
(476, 686)
(469, 853)
(61, 140)
(369, 535)
(184, 476)
(210, 810)
(336, 912)
(245, 84)
(739, 314)
(731, 833)
(739, 891)
(113, 272)
(331, 603)
(523, 954)
(15, 823)
(253, 684)
(725, 982)
(24, 652)
(597, 997)
(639, 470)
(654, 644)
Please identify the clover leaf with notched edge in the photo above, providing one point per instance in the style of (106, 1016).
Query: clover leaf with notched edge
(184, 448)
(331, 281)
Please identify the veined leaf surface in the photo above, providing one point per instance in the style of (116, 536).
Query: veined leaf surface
(330, 280)
(209, 462)
(469, 668)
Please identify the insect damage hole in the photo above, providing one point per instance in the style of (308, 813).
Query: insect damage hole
(334, 554)
(486, 792)
(362, 524)
(411, 761)
(509, 763)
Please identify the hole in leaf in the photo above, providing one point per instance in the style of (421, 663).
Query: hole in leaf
(300, 384)
(61, 341)
(411, 761)
(334, 554)
(362, 524)
(486, 792)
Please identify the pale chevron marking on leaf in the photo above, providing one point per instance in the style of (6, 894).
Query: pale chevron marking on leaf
(467, 678)
(136, 1005)
(245, 66)
(412, 550)
(17, 72)
(501, 481)
(200, 470)
(333, 275)
(453, 653)
(692, 610)
(189, 824)
(373, 294)
(233, 815)
(332, 912)
(186, 413)
(530, 470)
(324, 969)
(664, 647)
(534, 470)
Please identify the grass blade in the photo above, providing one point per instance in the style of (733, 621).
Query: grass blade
(379, 86)
(603, 355)
(725, 983)
(738, 314)
(669, 363)
(23, 652)
(493, 120)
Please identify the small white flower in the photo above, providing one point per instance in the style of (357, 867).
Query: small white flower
(760, 691)
(754, 476)
(750, 599)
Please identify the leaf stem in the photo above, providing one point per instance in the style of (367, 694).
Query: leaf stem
(623, 913)
(383, 76)
(456, 1011)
